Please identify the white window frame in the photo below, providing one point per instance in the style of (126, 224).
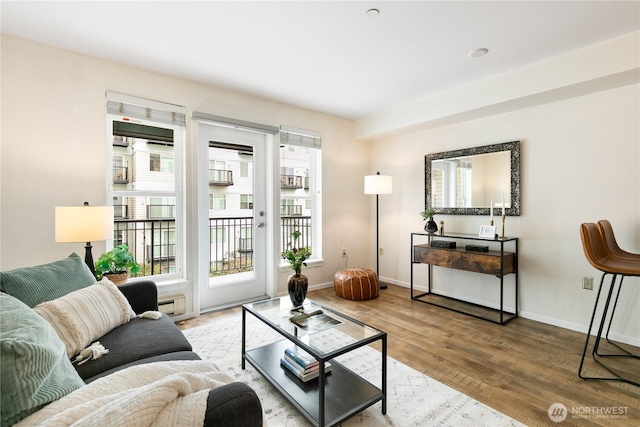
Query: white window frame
(311, 140)
(178, 193)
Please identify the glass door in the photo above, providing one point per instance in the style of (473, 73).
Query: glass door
(236, 219)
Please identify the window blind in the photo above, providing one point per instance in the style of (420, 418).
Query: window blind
(235, 123)
(135, 108)
(300, 137)
(137, 130)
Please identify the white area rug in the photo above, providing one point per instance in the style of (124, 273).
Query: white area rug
(413, 399)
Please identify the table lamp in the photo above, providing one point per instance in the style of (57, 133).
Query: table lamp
(84, 224)
(378, 184)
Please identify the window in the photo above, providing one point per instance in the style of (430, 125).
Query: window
(300, 190)
(244, 169)
(146, 146)
(160, 163)
(161, 207)
(154, 162)
(246, 201)
(217, 201)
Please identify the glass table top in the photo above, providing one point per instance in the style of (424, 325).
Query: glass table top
(322, 329)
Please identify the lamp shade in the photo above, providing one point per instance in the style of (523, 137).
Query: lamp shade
(84, 223)
(378, 184)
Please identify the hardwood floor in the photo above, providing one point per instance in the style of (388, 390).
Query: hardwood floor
(520, 369)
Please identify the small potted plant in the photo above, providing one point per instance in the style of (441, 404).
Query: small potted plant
(116, 265)
(297, 283)
(430, 226)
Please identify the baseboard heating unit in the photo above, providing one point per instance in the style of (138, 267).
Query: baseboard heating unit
(173, 305)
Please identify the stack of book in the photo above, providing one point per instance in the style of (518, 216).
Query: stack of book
(302, 364)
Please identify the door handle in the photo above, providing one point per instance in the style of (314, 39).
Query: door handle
(260, 225)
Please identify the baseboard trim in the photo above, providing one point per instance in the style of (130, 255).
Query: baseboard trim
(635, 341)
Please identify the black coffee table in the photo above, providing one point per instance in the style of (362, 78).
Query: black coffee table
(331, 398)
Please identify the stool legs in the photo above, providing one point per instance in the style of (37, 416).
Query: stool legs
(594, 353)
(613, 310)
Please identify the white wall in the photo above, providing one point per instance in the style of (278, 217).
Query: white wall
(53, 150)
(580, 162)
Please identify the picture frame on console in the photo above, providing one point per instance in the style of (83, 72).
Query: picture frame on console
(488, 231)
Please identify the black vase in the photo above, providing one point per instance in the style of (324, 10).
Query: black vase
(297, 286)
(431, 226)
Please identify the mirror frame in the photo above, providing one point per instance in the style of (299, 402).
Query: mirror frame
(513, 146)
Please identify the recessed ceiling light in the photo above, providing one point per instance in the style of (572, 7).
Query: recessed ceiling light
(373, 13)
(477, 53)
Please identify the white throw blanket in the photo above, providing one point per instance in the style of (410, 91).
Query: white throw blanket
(156, 394)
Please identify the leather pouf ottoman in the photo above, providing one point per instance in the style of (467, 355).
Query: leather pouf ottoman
(356, 284)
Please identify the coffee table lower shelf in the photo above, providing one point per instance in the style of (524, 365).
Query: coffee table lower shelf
(346, 393)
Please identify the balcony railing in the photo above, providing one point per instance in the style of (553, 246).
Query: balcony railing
(120, 141)
(220, 177)
(153, 246)
(121, 175)
(289, 210)
(290, 181)
(289, 225)
(161, 211)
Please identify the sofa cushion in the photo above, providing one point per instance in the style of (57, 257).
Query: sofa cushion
(33, 285)
(35, 369)
(138, 339)
(83, 316)
(176, 355)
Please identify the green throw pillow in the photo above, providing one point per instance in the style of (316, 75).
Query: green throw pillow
(35, 369)
(33, 285)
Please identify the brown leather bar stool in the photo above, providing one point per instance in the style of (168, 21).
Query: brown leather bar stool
(615, 251)
(612, 245)
(597, 253)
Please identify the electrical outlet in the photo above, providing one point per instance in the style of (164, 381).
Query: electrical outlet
(381, 251)
(587, 283)
(344, 252)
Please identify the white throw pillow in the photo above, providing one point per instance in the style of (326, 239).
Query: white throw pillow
(83, 316)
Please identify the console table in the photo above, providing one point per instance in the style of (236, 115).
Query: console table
(496, 262)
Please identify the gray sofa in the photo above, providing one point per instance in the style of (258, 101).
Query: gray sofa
(143, 341)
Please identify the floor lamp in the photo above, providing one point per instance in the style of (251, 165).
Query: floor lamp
(86, 223)
(378, 184)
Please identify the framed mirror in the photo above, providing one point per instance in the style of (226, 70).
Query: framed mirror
(469, 181)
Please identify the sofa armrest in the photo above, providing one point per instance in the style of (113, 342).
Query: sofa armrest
(233, 405)
(142, 295)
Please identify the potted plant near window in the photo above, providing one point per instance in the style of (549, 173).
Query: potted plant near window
(116, 265)
(430, 226)
(297, 283)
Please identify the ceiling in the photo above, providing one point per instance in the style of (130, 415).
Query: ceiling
(329, 56)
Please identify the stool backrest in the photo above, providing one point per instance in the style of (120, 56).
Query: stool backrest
(609, 237)
(612, 245)
(594, 246)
